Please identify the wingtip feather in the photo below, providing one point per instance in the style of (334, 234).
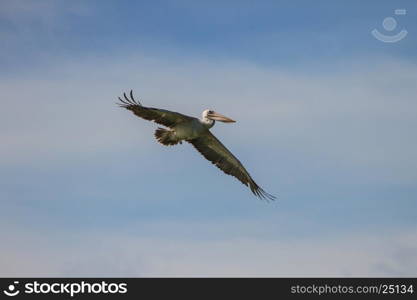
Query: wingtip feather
(128, 102)
(262, 194)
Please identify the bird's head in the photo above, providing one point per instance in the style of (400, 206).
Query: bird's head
(215, 116)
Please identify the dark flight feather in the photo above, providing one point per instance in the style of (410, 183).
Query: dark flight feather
(213, 150)
(160, 116)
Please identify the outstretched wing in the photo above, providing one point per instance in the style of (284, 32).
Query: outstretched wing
(213, 150)
(160, 116)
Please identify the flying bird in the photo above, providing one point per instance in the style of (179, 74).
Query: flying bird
(196, 132)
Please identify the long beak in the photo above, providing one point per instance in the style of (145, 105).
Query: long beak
(218, 117)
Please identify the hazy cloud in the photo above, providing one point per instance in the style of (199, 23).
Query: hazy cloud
(115, 254)
(326, 118)
(360, 116)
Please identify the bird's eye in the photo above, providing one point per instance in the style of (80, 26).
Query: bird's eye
(210, 112)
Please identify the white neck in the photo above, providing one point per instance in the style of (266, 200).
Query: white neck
(207, 122)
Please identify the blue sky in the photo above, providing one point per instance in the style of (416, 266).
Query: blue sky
(326, 118)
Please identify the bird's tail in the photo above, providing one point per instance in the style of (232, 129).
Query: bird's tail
(166, 137)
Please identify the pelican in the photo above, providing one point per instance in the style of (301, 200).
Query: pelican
(197, 133)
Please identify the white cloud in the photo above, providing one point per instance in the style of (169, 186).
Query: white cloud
(361, 116)
(114, 254)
